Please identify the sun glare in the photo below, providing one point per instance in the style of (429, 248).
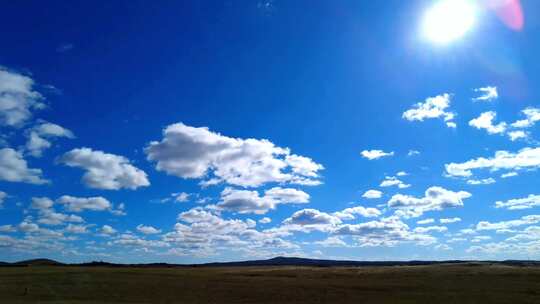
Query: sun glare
(448, 20)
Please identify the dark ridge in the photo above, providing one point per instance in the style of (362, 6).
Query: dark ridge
(37, 262)
(277, 261)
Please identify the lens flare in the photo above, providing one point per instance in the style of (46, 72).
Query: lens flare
(448, 20)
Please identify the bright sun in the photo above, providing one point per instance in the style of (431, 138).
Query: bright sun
(448, 20)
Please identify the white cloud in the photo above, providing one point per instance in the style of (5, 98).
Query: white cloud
(520, 203)
(372, 194)
(181, 197)
(265, 220)
(402, 173)
(41, 203)
(190, 152)
(349, 213)
(449, 220)
(426, 221)
(525, 220)
(333, 241)
(390, 181)
(375, 154)
(39, 137)
(509, 174)
(77, 229)
(106, 229)
(527, 158)
(312, 218)
(488, 94)
(245, 201)
(515, 135)
(413, 153)
(147, 229)
(435, 198)
(205, 231)
(433, 107)
(485, 181)
(50, 217)
(430, 229)
(104, 170)
(79, 204)
(532, 115)
(3, 196)
(485, 121)
(7, 228)
(13, 168)
(384, 232)
(17, 98)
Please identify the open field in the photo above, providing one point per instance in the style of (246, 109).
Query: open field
(463, 283)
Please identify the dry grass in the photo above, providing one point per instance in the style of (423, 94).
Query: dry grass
(401, 284)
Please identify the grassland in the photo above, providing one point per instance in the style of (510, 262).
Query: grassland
(284, 284)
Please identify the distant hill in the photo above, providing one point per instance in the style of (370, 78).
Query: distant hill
(277, 261)
(38, 262)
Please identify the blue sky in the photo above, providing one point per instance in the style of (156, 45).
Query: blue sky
(193, 132)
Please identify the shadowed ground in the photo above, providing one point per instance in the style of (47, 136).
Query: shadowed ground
(281, 284)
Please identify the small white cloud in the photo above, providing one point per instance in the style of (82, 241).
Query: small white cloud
(147, 229)
(433, 107)
(106, 229)
(372, 194)
(402, 173)
(79, 204)
(435, 198)
(485, 121)
(509, 174)
(13, 168)
(104, 170)
(375, 154)
(41, 203)
(181, 197)
(532, 115)
(450, 220)
(349, 213)
(245, 201)
(485, 181)
(515, 135)
(390, 181)
(265, 220)
(488, 94)
(520, 203)
(413, 153)
(40, 136)
(426, 221)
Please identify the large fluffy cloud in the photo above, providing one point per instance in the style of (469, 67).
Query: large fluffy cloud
(17, 98)
(104, 170)
(433, 107)
(191, 152)
(13, 168)
(245, 201)
(435, 198)
(527, 158)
